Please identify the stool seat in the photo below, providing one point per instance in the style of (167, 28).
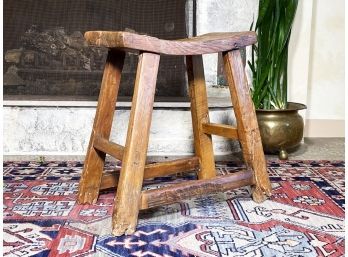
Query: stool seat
(204, 44)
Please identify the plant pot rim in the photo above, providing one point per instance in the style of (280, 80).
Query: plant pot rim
(292, 106)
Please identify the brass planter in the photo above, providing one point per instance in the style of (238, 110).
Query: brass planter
(281, 130)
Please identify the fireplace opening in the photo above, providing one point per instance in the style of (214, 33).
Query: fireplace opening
(46, 57)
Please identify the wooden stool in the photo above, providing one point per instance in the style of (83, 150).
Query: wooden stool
(129, 197)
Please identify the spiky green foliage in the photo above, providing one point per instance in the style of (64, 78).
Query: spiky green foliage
(269, 61)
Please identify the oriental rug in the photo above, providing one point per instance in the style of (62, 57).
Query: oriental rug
(304, 217)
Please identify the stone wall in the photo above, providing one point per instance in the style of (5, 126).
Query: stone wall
(66, 130)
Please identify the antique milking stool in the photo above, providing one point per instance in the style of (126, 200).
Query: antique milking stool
(129, 197)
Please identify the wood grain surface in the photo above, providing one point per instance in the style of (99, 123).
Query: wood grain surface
(204, 44)
(200, 114)
(176, 193)
(108, 147)
(248, 130)
(94, 162)
(156, 170)
(221, 130)
(126, 207)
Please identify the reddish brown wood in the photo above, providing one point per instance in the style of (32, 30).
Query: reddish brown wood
(156, 170)
(200, 114)
(111, 148)
(204, 44)
(171, 167)
(184, 190)
(94, 162)
(127, 202)
(220, 130)
(248, 130)
(109, 181)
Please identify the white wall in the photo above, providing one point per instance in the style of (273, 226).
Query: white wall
(326, 77)
(326, 85)
(299, 54)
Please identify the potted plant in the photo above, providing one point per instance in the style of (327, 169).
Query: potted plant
(281, 126)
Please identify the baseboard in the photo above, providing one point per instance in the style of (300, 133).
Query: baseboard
(324, 128)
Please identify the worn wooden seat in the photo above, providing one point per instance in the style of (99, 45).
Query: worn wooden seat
(129, 196)
(205, 44)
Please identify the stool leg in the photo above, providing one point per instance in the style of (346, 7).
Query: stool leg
(126, 207)
(200, 114)
(94, 161)
(248, 130)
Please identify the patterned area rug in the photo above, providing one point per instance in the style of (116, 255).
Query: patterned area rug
(304, 217)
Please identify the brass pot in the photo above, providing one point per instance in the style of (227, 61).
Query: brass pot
(281, 130)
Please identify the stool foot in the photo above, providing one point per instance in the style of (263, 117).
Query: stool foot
(259, 195)
(123, 229)
(88, 195)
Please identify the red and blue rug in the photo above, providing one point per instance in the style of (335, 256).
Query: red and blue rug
(304, 217)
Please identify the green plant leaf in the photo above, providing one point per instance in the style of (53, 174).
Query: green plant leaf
(269, 57)
(263, 9)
